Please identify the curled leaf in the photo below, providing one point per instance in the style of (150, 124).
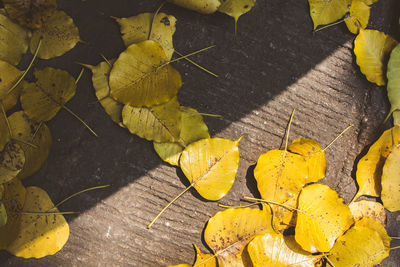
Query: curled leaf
(359, 16)
(193, 129)
(160, 123)
(136, 29)
(323, 218)
(36, 143)
(39, 235)
(142, 76)
(391, 181)
(59, 35)
(30, 13)
(372, 48)
(201, 6)
(393, 76)
(324, 12)
(371, 209)
(13, 41)
(228, 232)
(211, 165)
(43, 99)
(274, 249)
(12, 160)
(9, 75)
(369, 168)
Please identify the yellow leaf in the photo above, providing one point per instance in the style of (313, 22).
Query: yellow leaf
(370, 2)
(228, 232)
(13, 199)
(193, 129)
(204, 260)
(323, 218)
(359, 246)
(13, 42)
(280, 175)
(359, 16)
(8, 77)
(181, 265)
(30, 13)
(236, 8)
(393, 86)
(327, 11)
(284, 218)
(371, 209)
(201, 6)
(274, 249)
(39, 235)
(369, 168)
(4, 132)
(100, 78)
(12, 160)
(378, 227)
(3, 214)
(372, 48)
(211, 165)
(161, 123)
(142, 76)
(136, 29)
(34, 133)
(43, 99)
(314, 156)
(59, 35)
(391, 181)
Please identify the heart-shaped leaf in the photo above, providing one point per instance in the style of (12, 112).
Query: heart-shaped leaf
(324, 12)
(391, 181)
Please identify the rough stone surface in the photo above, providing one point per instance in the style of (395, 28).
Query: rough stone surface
(273, 65)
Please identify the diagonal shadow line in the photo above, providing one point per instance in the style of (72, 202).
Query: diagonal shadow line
(273, 49)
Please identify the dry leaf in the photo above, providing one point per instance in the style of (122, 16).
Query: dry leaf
(161, 123)
(372, 48)
(378, 227)
(228, 232)
(371, 209)
(391, 181)
(4, 132)
(322, 218)
(393, 76)
(211, 165)
(59, 35)
(142, 76)
(193, 129)
(13, 41)
(201, 6)
(136, 29)
(359, 16)
(12, 160)
(9, 75)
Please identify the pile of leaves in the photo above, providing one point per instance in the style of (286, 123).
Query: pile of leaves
(30, 224)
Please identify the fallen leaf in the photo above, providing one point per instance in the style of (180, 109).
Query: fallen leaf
(284, 218)
(314, 156)
(193, 129)
(43, 99)
(33, 133)
(391, 181)
(274, 249)
(236, 8)
(3, 215)
(201, 6)
(13, 200)
(161, 123)
(371, 209)
(228, 232)
(39, 235)
(9, 75)
(280, 175)
(59, 35)
(372, 49)
(100, 78)
(13, 41)
(204, 260)
(30, 13)
(12, 160)
(323, 218)
(393, 76)
(359, 16)
(136, 29)
(4, 132)
(142, 76)
(369, 168)
(324, 12)
(211, 165)
(359, 246)
(378, 227)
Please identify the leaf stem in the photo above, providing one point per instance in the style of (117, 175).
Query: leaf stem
(106, 60)
(197, 65)
(397, 247)
(199, 113)
(80, 192)
(154, 18)
(190, 54)
(238, 207)
(288, 130)
(24, 142)
(329, 261)
(394, 237)
(80, 75)
(26, 71)
(337, 137)
(5, 117)
(329, 25)
(169, 204)
(77, 117)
